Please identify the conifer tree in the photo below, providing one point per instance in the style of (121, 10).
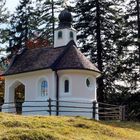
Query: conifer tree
(4, 15)
(111, 38)
(132, 40)
(32, 22)
(47, 11)
(98, 28)
(20, 27)
(3, 21)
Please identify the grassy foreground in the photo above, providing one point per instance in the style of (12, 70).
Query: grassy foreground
(14, 127)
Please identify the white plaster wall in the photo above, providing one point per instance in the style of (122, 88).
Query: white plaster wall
(79, 92)
(31, 81)
(65, 37)
(78, 87)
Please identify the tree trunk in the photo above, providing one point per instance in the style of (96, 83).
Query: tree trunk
(53, 24)
(99, 53)
(138, 20)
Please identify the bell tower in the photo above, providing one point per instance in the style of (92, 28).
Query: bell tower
(64, 33)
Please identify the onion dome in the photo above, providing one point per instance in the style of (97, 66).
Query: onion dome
(65, 19)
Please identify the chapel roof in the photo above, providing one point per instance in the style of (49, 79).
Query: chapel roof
(65, 57)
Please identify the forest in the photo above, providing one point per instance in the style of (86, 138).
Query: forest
(108, 33)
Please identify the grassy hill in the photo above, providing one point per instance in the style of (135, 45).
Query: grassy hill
(14, 127)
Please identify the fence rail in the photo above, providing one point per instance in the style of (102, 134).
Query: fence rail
(95, 110)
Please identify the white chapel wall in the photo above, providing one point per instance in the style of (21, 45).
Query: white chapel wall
(65, 37)
(79, 92)
(78, 87)
(31, 81)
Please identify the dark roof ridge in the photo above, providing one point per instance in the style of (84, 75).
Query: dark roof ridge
(56, 62)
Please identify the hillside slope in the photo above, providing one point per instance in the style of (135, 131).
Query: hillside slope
(14, 127)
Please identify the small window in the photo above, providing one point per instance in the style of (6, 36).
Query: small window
(59, 34)
(66, 86)
(89, 82)
(71, 35)
(44, 88)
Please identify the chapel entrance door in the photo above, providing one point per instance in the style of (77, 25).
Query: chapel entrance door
(19, 98)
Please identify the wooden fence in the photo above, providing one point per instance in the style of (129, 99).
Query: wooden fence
(109, 111)
(103, 111)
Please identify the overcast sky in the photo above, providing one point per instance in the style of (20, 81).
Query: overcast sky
(11, 4)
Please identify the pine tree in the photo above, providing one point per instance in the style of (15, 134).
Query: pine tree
(138, 27)
(98, 28)
(111, 38)
(132, 26)
(32, 22)
(3, 39)
(43, 13)
(20, 30)
(4, 15)
(47, 11)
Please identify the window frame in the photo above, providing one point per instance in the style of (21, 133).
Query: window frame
(71, 35)
(66, 86)
(44, 88)
(89, 85)
(39, 84)
(62, 86)
(60, 35)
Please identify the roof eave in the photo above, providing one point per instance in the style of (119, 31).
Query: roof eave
(95, 71)
(27, 71)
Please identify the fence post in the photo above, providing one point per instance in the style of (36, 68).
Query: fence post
(57, 107)
(93, 109)
(122, 113)
(50, 110)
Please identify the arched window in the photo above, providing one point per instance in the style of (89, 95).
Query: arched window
(66, 86)
(59, 34)
(71, 35)
(44, 88)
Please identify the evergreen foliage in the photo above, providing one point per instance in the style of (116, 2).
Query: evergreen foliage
(4, 15)
(132, 42)
(109, 35)
(20, 26)
(99, 29)
(46, 12)
(33, 21)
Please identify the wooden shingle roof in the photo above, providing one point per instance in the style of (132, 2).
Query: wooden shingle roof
(74, 59)
(66, 57)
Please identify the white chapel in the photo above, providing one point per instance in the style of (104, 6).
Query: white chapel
(60, 72)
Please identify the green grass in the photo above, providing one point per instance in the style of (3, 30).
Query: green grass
(14, 127)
